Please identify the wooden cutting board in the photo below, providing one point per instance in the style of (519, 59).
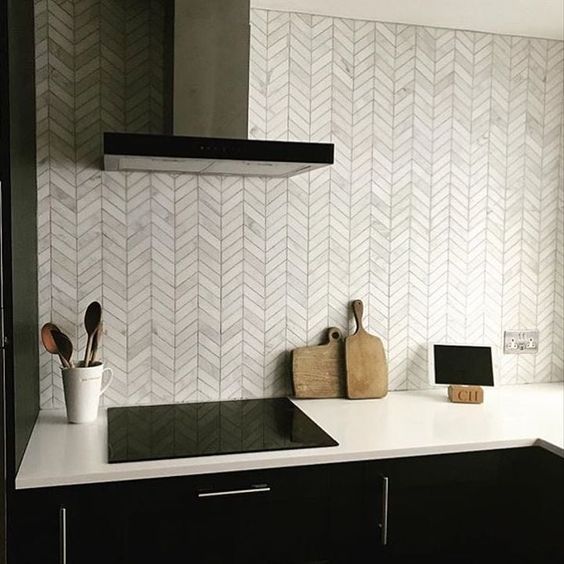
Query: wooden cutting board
(319, 372)
(367, 370)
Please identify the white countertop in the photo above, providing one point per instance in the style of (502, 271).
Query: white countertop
(402, 424)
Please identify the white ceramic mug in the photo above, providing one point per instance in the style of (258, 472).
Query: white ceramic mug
(83, 388)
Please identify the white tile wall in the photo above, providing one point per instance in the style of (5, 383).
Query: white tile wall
(443, 211)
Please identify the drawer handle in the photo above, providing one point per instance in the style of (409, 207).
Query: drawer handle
(62, 535)
(252, 490)
(385, 504)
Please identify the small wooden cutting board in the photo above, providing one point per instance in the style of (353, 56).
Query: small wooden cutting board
(367, 370)
(319, 372)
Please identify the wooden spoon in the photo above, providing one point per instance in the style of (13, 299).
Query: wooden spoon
(96, 338)
(48, 341)
(64, 347)
(91, 321)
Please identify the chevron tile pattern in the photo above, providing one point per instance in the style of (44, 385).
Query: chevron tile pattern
(444, 210)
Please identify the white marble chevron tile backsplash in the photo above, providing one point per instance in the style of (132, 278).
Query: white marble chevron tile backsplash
(443, 211)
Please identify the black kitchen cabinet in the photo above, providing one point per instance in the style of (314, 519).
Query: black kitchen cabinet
(499, 505)
(306, 515)
(463, 508)
(441, 506)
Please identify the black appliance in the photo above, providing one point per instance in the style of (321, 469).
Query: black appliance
(154, 432)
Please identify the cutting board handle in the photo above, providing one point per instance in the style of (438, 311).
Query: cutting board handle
(358, 311)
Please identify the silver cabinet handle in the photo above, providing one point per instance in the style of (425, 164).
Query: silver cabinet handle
(62, 535)
(384, 517)
(254, 489)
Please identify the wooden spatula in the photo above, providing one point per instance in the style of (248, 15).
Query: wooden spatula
(367, 370)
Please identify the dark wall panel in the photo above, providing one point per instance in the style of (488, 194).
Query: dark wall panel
(19, 172)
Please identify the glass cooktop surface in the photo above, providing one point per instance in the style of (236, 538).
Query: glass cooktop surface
(152, 432)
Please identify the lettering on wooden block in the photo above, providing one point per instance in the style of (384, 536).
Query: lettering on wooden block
(466, 394)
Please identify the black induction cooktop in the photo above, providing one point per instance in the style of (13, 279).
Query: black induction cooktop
(154, 432)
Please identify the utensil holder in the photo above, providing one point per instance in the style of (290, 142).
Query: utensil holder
(83, 387)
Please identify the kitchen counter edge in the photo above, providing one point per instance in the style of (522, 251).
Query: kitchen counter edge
(402, 425)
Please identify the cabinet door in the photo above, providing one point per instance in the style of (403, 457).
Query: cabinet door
(69, 525)
(325, 514)
(442, 508)
(547, 502)
(93, 524)
(532, 506)
(504, 504)
(276, 516)
(36, 520)
(357, 493)
(168, 522)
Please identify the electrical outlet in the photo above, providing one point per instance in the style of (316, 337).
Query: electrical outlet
(521, 342)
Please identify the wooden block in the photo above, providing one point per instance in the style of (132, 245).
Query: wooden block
(319, 372)
(466, 394)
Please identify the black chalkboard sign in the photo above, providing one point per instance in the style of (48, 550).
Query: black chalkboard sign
(462, 365)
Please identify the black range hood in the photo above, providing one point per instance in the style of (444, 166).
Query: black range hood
(206, 46)
(209, 155)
